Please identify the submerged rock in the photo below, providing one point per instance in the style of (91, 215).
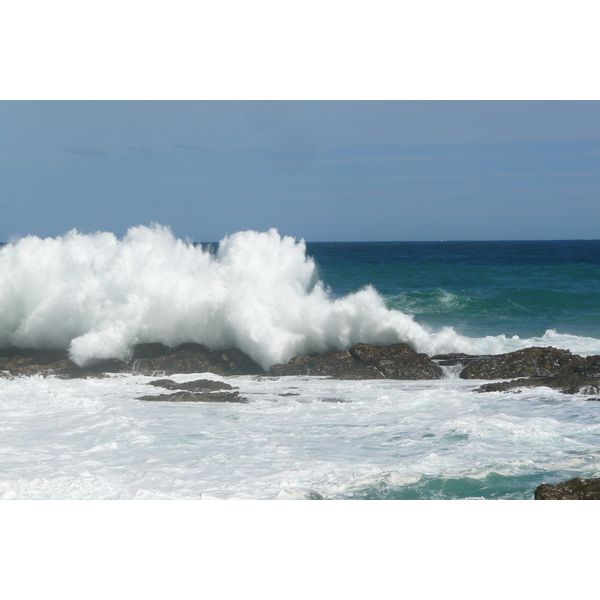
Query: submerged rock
(197, 386)
(364, 361)
(574, 489)
(197, 397)
(200, 390)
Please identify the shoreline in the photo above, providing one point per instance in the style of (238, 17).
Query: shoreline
(532, 367)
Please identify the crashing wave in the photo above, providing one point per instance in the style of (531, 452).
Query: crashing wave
(98, 296)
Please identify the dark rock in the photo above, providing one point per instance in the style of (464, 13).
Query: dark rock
(194, 358)
(364, 361)
(399, 361)
(95, 369)
(197, 397)
(150, 350)
(580, 377)
(27, 361)
(504, 386)
(574, 489)
(147, 359)
(567, 383)
(332, 364)
(199, 385)
(200, 390)
(454, 359)
(529, 362)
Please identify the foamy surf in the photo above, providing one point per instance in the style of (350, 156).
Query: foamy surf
(98, 296)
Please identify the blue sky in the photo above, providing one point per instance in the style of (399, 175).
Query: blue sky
(322, 170)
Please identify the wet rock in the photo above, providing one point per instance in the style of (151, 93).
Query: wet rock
(581, 377)
(574, 489)
(21, 361)
(198, 386)
(364, 361)
(454, 359)
(192, 358)
(26, 361)
(199, 390)
(529, 362)
(332, 364)
(147, 359)
(564, 383)
(150, 350)
(399, 361)
(504, 386)
(197, 397)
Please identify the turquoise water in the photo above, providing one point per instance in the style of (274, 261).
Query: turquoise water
(478, 288)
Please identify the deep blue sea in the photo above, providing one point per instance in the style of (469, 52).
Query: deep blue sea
(298, 437)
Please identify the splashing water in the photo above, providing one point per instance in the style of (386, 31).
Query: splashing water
(98, 296)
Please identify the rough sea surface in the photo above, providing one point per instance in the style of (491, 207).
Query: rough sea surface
(297, 437)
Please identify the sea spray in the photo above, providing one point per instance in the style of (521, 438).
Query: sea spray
(98, 296)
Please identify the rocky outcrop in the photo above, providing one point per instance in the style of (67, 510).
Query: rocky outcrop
(529, 362)
(566, 373)
(16, 362)
(191, 358)
(196, 386)
(190, 397)
(200, 390)
(148, 359)
(574, 489)
(531, 367)
(567, 382)
(364, 361)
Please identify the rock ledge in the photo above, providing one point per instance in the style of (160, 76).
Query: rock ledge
(364, 361)
(574, 489)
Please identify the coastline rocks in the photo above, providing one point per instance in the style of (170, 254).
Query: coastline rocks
(530, 367)
(574, 489)
(567, 382)
(200, 390)
(564, 372)
(529, 362)
(191, 358)
(26, 361)
(147, 359)
(364, 361)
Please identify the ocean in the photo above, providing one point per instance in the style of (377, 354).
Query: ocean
(274, 297)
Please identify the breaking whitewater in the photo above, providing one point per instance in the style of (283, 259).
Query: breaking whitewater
(97, 297)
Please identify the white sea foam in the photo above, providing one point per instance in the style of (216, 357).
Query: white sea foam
(98, 296)
(92, 439)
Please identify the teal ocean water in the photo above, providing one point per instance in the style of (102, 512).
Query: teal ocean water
(522, 288)
(305, 437)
